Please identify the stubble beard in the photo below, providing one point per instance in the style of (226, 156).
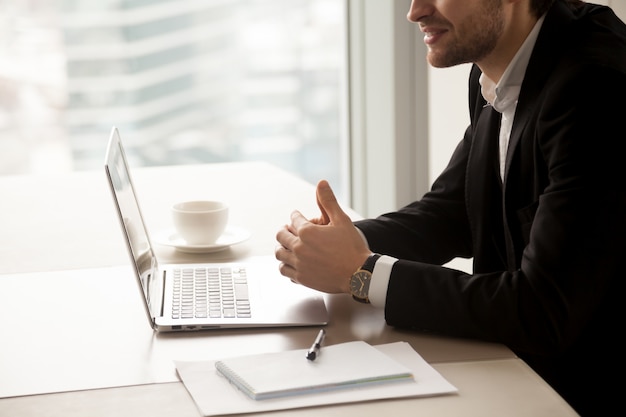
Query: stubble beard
(475, 38)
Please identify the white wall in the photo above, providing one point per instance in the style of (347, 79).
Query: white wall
(448, 114)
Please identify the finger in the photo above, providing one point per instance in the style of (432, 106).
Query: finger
(287, 271)
(297, 221)
(285, 256)
(324, 219)
(286, 237)
(328, 204)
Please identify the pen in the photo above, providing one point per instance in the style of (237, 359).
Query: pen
(314, 350)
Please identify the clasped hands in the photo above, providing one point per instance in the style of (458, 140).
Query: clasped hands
(321, 253)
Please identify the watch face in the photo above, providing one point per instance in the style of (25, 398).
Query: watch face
(359, 284)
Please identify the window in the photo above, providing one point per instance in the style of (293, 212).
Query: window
(185, 81)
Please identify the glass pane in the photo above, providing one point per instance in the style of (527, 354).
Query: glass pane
(185, 81)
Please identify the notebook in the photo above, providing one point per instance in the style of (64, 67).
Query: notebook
(255, 294)
(343, 366)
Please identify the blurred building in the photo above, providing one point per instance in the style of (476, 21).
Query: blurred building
(186, 81)
(202, 81)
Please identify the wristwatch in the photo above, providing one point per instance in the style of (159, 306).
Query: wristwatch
(361, 279)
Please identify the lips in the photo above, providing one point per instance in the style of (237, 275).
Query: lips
(432, 35)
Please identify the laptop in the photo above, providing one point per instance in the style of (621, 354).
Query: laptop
(203, 296)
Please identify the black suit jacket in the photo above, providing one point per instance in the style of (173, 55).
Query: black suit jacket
(549, 241)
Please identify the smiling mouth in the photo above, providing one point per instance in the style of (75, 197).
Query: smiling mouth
(431, 36)
(432, 29)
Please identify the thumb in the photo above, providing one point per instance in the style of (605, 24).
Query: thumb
(327, 202)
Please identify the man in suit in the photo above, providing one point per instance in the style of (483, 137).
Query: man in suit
(535, 193)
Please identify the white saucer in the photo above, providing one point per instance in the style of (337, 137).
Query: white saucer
(232, 235)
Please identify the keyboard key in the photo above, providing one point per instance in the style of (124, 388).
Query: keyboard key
(210, 292)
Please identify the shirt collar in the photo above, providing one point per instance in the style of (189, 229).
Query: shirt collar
(503, 95)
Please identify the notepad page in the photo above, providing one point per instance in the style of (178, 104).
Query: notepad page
(340, 366)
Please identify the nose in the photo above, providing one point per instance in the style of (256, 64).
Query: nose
(418, 10)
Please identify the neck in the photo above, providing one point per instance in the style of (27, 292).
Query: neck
(518, 24)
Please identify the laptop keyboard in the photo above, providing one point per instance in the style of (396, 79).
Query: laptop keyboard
(210, 292)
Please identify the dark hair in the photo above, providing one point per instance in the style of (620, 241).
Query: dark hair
(539, 7)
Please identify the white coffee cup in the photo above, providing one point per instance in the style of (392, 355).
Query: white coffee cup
(200, 222)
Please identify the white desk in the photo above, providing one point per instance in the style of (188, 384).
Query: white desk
(55, 227)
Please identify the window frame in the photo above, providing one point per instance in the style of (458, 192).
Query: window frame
(388, 117)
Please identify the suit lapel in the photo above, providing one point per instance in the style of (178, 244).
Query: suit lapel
(486, 135)
(539, 67)
(484, 188)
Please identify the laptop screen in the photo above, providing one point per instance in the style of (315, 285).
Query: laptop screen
(132, 223)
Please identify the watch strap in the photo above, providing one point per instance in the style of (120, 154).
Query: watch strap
(370, 262)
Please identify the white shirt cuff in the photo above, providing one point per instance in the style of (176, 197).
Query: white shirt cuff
(380, 281)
